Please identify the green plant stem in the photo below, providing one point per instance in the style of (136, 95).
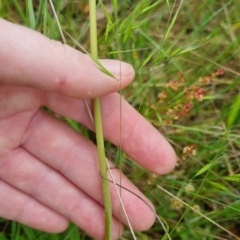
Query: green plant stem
(98, 128)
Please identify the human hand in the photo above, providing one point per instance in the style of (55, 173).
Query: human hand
(49, 173)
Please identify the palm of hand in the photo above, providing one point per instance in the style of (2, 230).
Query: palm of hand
(49, 174)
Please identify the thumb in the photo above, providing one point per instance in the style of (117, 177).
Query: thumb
(29, 59)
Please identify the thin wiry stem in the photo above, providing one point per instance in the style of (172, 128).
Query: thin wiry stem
(58, 23)
(120, 199)
(201, 214)
(148, 205)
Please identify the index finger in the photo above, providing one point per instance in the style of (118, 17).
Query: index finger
(40, 63)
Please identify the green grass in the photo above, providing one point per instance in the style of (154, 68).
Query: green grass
(162, 39)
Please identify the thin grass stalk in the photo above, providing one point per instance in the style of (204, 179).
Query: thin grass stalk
(201, 214)
(98, 128)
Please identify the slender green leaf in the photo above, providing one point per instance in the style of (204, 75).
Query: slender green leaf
(172, 22)
(20, 11)
(218, 185)
(40, 11)
(107, 16)
(31, 15)
(115, 5)
(204, 169)
(167, 1)
(150, 7)
(233, 178)
(31, 233)
(72, 233)
(109, 21)
(234, 113)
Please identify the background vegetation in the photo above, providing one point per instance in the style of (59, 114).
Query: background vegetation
(186, 55)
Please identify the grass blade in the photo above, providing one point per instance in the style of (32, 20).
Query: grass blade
(204, 169)
(172, 22)
(20, 11)
(234, 113)
(31, 15)
(201, 214)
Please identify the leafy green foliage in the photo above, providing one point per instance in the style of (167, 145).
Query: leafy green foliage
(161, 39)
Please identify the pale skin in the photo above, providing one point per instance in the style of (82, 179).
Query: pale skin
(49, 173)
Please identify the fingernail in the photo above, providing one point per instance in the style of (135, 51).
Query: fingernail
(118, 68)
